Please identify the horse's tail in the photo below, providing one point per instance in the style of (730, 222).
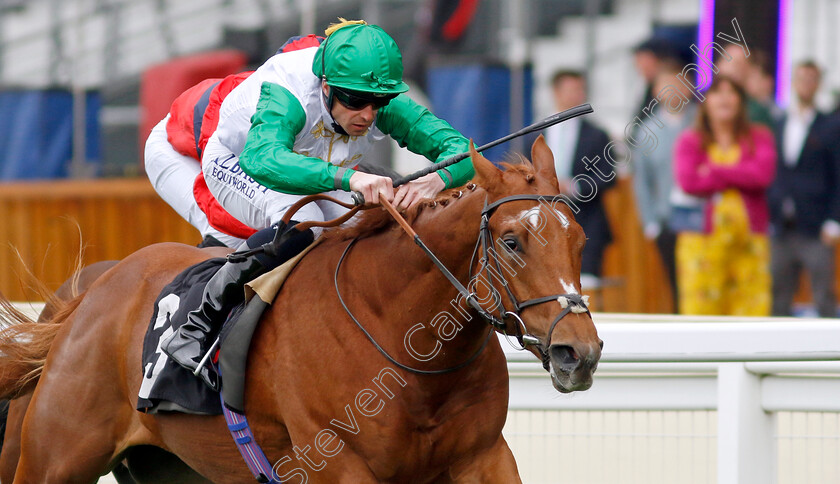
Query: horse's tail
(24, 344)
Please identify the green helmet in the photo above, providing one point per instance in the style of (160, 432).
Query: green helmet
(361, 57)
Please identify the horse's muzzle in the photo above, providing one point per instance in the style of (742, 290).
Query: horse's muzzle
(572, 367)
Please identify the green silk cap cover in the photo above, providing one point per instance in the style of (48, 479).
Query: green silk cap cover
(361, 57)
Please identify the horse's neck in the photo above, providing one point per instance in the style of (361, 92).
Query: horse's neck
(450, 231)
(412, 290)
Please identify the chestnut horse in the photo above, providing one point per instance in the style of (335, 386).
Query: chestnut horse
(322, 401)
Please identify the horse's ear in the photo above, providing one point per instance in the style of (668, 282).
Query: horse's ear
(543, 161)
(486, 173)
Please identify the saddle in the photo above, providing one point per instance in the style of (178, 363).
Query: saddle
(166, 385)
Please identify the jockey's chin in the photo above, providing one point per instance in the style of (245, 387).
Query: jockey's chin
(357, 123)
(357, 129)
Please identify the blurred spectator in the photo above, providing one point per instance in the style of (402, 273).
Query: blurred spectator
(649, 57)
(738, 68)
(570, 142)
(731, 162)
(663, 207)
(805, 199)
(760, 84)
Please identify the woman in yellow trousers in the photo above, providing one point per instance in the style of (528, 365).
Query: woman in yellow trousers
(730, 163)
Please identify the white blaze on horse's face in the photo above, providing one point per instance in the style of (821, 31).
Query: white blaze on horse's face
(536, 221)
(532, 216)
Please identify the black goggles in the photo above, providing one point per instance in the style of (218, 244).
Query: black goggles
(356, 100)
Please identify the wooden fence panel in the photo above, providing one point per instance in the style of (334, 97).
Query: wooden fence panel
(47, 221)
(631, 261)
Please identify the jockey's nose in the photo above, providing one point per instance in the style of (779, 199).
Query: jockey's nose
(368, 113)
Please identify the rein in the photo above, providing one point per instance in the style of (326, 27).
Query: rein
(238, 425)
(269, 247)
(382, 350)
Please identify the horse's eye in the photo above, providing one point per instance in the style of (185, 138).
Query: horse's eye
(512, 244)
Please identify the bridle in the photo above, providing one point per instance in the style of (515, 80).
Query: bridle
(570, 303)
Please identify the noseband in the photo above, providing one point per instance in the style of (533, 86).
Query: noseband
(570, 303)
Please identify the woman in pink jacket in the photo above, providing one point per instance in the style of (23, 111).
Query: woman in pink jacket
(724, 267)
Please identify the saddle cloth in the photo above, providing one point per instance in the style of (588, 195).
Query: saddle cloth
(166, 385)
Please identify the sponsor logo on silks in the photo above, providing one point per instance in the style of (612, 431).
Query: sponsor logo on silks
(240, 184)
(227, 163)
(232, 175)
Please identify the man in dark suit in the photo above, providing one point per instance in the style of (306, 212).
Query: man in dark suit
(576, 143)
(805, 199)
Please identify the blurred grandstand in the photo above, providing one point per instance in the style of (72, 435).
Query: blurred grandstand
(103, 47)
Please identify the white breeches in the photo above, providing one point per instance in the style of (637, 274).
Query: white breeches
(173, 174)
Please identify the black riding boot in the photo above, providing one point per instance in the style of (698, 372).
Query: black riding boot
(188, 345)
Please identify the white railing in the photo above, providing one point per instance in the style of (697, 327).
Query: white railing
(743, 372)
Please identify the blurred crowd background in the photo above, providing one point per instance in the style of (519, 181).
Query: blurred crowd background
(707, 180)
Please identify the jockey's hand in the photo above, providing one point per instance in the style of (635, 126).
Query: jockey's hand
(413, 192)
(372, 187)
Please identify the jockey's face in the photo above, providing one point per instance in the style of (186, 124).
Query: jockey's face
(355, 121)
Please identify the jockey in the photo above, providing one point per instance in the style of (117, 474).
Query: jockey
(298, 126)
(173, 154)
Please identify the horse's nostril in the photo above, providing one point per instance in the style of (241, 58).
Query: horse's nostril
(565, 356)
(601, 343)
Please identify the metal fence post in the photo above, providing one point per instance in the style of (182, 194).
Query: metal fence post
(746, 448)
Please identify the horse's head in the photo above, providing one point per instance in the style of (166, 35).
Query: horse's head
(531, 258)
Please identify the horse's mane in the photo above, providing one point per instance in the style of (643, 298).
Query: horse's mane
(378, 219)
